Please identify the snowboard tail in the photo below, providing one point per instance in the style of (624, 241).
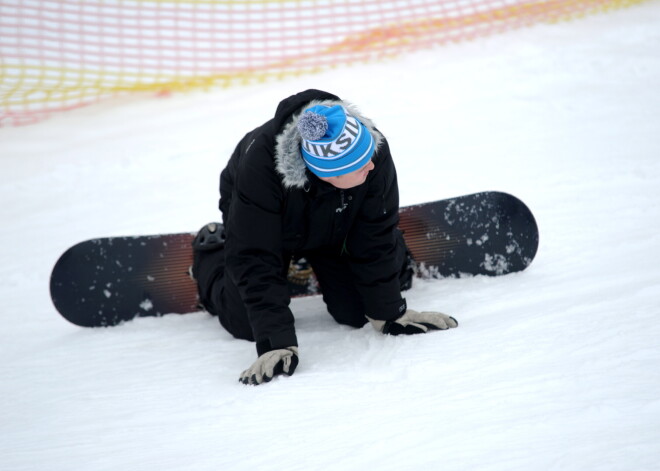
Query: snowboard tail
(489, 233)
(103, 282)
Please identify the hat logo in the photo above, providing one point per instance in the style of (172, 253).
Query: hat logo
(338, 147)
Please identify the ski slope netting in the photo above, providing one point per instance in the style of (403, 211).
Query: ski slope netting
(59, 55)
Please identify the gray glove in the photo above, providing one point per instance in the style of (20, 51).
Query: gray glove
(270, 364)
(413, 322)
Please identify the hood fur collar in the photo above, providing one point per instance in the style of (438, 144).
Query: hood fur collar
(288, 159)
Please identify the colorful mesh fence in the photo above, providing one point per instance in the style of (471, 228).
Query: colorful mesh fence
(58, 55)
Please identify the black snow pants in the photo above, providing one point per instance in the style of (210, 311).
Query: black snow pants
(220, 297)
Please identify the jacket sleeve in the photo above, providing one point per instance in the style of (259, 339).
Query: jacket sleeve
(372, 243)
(254, 254)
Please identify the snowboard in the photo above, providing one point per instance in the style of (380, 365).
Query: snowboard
(106, 281)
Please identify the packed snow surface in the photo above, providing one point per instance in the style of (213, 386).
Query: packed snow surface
(553, 368)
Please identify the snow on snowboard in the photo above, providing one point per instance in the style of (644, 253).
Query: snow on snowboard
(102, 282)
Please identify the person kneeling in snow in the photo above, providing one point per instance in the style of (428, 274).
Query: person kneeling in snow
(316, 181)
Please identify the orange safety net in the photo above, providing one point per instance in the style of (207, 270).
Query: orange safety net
(59, 55)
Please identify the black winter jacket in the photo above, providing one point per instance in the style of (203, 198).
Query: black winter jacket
(273, 208)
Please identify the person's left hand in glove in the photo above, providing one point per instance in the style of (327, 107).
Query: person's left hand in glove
(413, 322)
(271, 364)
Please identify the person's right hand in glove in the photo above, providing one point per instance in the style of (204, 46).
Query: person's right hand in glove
(271, 364)
(413, 322)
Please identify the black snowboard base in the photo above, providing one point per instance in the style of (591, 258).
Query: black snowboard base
(105, 281)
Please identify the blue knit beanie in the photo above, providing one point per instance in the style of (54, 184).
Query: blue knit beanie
(333, 141)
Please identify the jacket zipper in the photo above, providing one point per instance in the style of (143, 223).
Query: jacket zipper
(342, 222)
(342, 202)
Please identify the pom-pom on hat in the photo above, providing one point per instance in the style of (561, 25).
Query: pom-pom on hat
(333, 141)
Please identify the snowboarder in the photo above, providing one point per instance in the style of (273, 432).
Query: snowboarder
(316, 181)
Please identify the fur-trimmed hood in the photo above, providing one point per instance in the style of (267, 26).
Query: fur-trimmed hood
(288, 159)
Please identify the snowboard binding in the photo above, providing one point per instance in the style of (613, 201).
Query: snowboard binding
(209, 237)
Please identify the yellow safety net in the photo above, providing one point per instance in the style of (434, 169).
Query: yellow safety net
(59, 55)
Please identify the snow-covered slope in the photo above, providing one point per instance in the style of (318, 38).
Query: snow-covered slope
(557, 367)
